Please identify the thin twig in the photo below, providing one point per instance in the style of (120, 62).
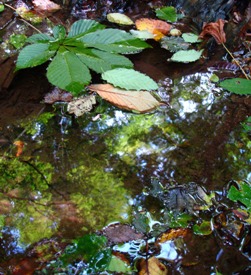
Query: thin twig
(236, 61)
(26, 22)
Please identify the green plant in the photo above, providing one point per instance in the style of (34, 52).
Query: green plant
(88, 45)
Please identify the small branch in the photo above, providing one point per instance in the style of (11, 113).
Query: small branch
(29, 24)
(236, 61)
(26, 22)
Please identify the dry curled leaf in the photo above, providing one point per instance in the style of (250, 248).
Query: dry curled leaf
(158, 28)
(140, 101)
(20, 145)
(215, 29)
(81, 105)
(152, 266)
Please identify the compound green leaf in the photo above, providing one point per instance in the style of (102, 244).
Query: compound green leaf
(40, 38)
(167, 13)
(107, 36)
(129, 79)
(239, 86)
(93, 61)
(83, 26)
(186, 56)
(68, 73)
(115, 41)
(59, 32)
(115, 60)
(33, 55)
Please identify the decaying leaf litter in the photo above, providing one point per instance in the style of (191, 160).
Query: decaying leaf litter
(190, 200)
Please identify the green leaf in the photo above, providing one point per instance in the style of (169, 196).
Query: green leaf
(119, 18)
(93, 61)
(107, 36)
(167, 13)
(142, 34)
(101, 260)
(119, 266)
(115, 60)
(112, 40)
(33, 55)
(191, 38)
(68, 73)
(239, 86)
(59, 32)
(214, 78)
(203, 229)
(40, 38)
(18, 40)
(242, 195)
(83, 26)
(1, 7)
(129, 79)
(186, 56)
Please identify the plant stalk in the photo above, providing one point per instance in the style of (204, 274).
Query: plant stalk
(236, 61)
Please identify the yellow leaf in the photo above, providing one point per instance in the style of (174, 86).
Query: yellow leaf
(158, 28)
(152, 266)
(119, 18)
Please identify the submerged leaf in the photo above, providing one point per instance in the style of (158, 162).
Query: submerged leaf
(174, 44)
(141, 101)
(119, 18)
(157, 27)
(186, 56)
(121, 233)
(239, 86)
(152, 266)
(129, 79)
(20, 145)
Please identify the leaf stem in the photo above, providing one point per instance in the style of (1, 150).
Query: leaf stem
(236, 61)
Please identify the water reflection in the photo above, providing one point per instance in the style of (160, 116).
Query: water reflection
(97, 166)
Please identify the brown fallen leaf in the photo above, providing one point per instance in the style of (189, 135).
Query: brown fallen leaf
(152, 266)
(216, 29)
(20, 145)
(57, 95)
(121, 233)
(141, 101)
(157, 27)
(45, 6)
